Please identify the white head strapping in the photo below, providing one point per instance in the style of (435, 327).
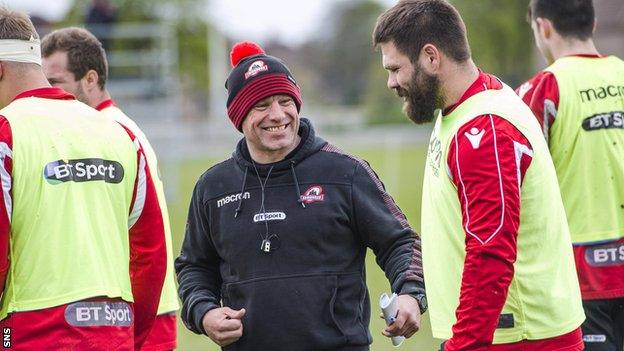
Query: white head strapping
(28, 51)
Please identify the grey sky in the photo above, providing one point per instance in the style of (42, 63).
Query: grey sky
(290, 21)
(287, 20)
(51, 10)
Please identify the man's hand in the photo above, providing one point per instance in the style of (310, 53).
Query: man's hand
(408, 318)
(223, 325)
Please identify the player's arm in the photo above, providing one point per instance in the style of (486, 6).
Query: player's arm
(541, 94)
(148, 257)
(197, 266)
(487, 160)
(384, 228)
(6, 197)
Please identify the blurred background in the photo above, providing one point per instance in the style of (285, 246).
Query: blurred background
(169, 60)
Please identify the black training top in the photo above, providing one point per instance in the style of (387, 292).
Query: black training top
(287, 241)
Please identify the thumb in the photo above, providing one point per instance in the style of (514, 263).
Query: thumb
(234, 314)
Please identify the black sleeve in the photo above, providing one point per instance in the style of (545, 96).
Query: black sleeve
(197, 267)
(383, 227)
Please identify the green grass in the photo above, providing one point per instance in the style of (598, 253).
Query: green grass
(400, 168)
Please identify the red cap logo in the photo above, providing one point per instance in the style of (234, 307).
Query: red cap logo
(255, 68)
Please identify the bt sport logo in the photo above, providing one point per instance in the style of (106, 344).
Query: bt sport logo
(83, 170)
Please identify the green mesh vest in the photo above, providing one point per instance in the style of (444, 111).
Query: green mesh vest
(544, 295)
(169, 295)
(587, 145)
(73, 177)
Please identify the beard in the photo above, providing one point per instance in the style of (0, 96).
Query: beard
(80, 95)
(422, 97)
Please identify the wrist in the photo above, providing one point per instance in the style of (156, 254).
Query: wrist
(421, 299)
(200, 312)
(417, 291)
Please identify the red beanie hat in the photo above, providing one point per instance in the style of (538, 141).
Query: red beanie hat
(256, 76)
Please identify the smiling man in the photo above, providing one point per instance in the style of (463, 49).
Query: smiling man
(273, 256)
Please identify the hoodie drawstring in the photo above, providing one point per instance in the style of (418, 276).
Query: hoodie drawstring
(292, 169)
(242, 194)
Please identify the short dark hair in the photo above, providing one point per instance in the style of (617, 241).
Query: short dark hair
(411, 24)
(16, 25)
(571, 18)
(84, 52)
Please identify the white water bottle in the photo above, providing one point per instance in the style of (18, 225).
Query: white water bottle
(389, 309)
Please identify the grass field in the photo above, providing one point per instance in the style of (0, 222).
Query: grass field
(401, 170)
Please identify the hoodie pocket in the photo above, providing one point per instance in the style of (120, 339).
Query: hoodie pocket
(303, 312)
(351, 309)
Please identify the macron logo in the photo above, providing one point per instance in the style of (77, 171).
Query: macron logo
(475, 137)
(231, 198)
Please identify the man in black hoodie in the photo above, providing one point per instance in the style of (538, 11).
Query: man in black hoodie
(288, 265)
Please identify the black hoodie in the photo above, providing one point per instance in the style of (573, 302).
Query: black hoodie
(322, 209)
